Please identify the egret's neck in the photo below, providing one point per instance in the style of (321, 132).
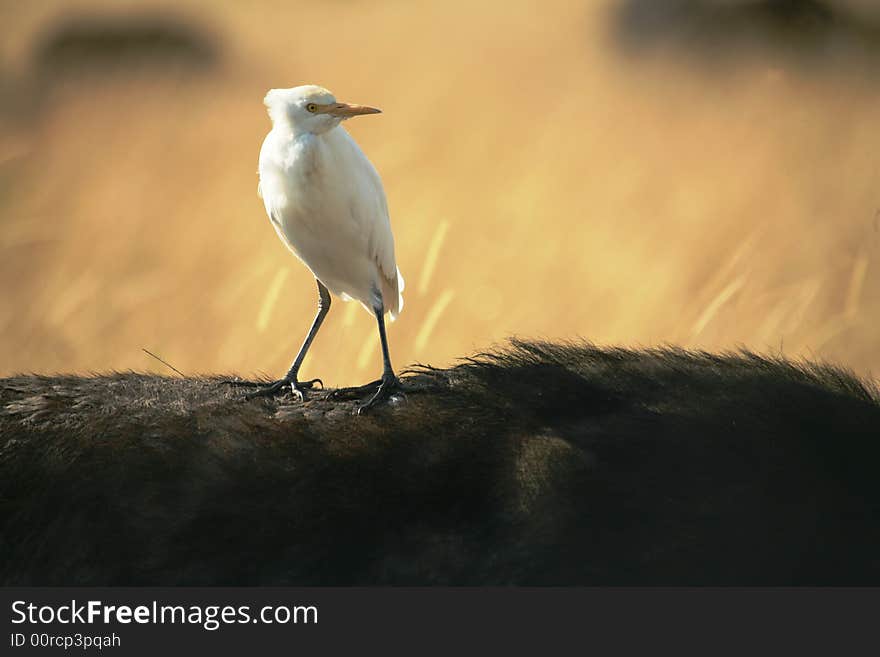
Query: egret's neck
(290, 130)
(304, 148)
(285, 129)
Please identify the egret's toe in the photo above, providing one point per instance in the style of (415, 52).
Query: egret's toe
(296, 388)
(357, 392)
(390, 390)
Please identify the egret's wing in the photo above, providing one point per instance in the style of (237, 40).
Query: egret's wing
(382, 251)
(370, 210)
(381, 237)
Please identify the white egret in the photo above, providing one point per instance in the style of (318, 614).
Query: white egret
(326, 202)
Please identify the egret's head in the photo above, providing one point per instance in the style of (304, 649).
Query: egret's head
(310, 108)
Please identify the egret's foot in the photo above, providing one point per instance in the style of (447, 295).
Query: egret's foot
(357, 392)
(389, 387)
(297, 388)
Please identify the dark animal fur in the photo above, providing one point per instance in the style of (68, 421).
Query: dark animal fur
(539, 464)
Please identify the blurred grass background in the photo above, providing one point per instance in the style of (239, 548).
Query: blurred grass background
(600, 169)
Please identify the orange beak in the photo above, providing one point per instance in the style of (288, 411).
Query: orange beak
(346, 111)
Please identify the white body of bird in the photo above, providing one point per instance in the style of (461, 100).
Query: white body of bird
(325, 198)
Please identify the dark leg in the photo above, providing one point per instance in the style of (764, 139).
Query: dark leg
(389, 383)
(290, 380)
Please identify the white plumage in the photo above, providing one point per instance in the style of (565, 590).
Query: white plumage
(326, 200)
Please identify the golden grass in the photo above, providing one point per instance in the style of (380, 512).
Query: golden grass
(540, 184)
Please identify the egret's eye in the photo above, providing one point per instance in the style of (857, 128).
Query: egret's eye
(312, 107)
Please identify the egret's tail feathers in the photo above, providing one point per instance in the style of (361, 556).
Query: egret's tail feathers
(392, 295)
(400, 285)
